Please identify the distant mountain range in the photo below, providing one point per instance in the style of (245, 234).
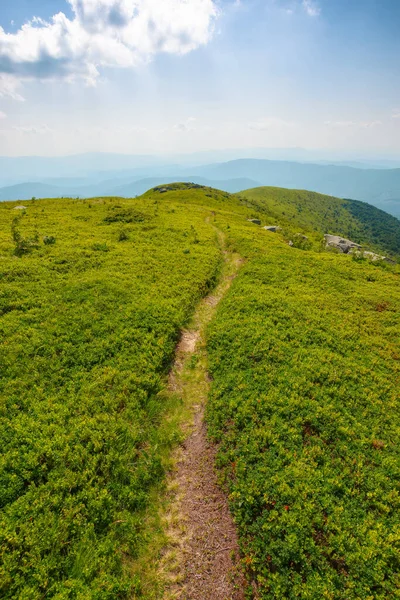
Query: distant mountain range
(26, 191)
(379, 186)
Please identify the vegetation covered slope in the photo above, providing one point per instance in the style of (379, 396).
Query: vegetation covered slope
(359, 221)
(305, 359)
(88, 327)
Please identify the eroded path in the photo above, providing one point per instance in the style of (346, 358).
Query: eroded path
(201, 560)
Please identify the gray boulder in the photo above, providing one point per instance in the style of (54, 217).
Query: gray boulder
(372, 256)
(272, 228)
(341, 244)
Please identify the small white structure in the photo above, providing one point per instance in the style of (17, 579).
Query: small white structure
(20, 207)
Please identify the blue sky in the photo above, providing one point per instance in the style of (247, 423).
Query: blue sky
(151, 76)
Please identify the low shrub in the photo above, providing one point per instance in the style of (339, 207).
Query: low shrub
(100, 247)
(23, 245)
(49, 240)
(123, 236)
(126, 215)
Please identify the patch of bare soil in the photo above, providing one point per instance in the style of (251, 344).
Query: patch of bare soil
(188, 341)
(211, 564)
(212, 300)
(202, 559)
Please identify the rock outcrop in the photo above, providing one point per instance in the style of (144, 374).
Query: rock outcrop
(341, 244)
(372, 256)
(272, 228)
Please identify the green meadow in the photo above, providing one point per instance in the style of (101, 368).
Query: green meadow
(304, 356)
(88, 329)
(305, 360)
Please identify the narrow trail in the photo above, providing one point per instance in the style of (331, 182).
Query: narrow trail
(201, 560)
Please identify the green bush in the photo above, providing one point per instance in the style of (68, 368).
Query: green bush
(123, 236)
(23, 245)
(126, 215)
(100, 247)
(49, 240)
(301, 242)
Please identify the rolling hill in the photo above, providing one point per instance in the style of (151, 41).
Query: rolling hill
(140, 187)
(359, 221)
(303, 362)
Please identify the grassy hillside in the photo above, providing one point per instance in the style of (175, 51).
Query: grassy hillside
(88, 327)
(361, 222)
(304, 356)
(141, 186)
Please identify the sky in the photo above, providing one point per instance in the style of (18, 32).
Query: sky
(177, 76)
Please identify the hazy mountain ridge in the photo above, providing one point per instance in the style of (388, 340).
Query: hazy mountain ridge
(114, 175)
(25, 191)
(380, 187)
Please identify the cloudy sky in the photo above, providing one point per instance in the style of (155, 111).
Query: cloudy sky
(151, 76)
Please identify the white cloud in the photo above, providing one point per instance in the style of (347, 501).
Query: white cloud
(311, 8)
(9, 86)
(102, 33)
(340, 123)
(2, 115)
(187, 125)
(369, 124)
(355, 124)
(33, 129)
(396, 114)
(268, 123)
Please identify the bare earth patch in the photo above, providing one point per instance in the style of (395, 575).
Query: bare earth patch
(201, 561)
(212, 300)
(188, 341)
(211, 563)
